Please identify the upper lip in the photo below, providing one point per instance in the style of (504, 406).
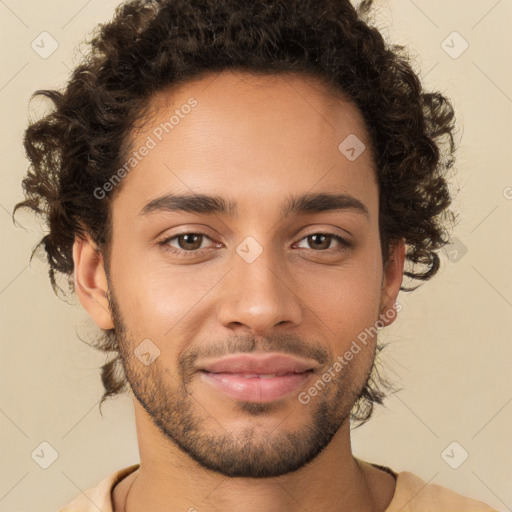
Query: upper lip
(258, 364)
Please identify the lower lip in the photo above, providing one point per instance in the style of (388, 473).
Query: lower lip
(256, 389)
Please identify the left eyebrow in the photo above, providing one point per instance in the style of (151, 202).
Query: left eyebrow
(315, 203)
(295, 205)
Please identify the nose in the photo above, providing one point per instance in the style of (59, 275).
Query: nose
(259, 296)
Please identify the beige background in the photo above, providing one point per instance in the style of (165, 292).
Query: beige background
(451, 347)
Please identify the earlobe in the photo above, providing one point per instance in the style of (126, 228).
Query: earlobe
(393, 276)
(91, 281)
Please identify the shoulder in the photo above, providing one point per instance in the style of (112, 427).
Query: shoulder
(413, 494)
(99, 497)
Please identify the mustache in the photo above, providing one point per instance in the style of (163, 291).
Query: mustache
(287, 344)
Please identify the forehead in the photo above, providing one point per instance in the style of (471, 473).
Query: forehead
(258, 105)
(253, 138)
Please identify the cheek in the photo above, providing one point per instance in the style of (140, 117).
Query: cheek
(159, 300)
(346, 298)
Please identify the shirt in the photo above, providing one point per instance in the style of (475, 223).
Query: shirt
(412, 494)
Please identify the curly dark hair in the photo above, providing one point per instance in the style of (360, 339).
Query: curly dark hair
(150, 45)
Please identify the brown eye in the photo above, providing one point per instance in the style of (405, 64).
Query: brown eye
(322, 241)
(184, 243)
(189, 241)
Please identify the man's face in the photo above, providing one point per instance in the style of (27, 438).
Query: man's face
(247, 282)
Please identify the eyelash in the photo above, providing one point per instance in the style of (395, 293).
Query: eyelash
(345, 244)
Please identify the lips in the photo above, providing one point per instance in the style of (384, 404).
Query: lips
(259, 366)
(257, 377)
(256, 389)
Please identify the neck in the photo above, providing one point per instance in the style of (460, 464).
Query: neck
(334, 481)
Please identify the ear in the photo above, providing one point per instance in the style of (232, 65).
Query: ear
(91, 281)
(391, 281)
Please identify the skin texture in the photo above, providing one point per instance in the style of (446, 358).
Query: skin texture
(255, 141)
